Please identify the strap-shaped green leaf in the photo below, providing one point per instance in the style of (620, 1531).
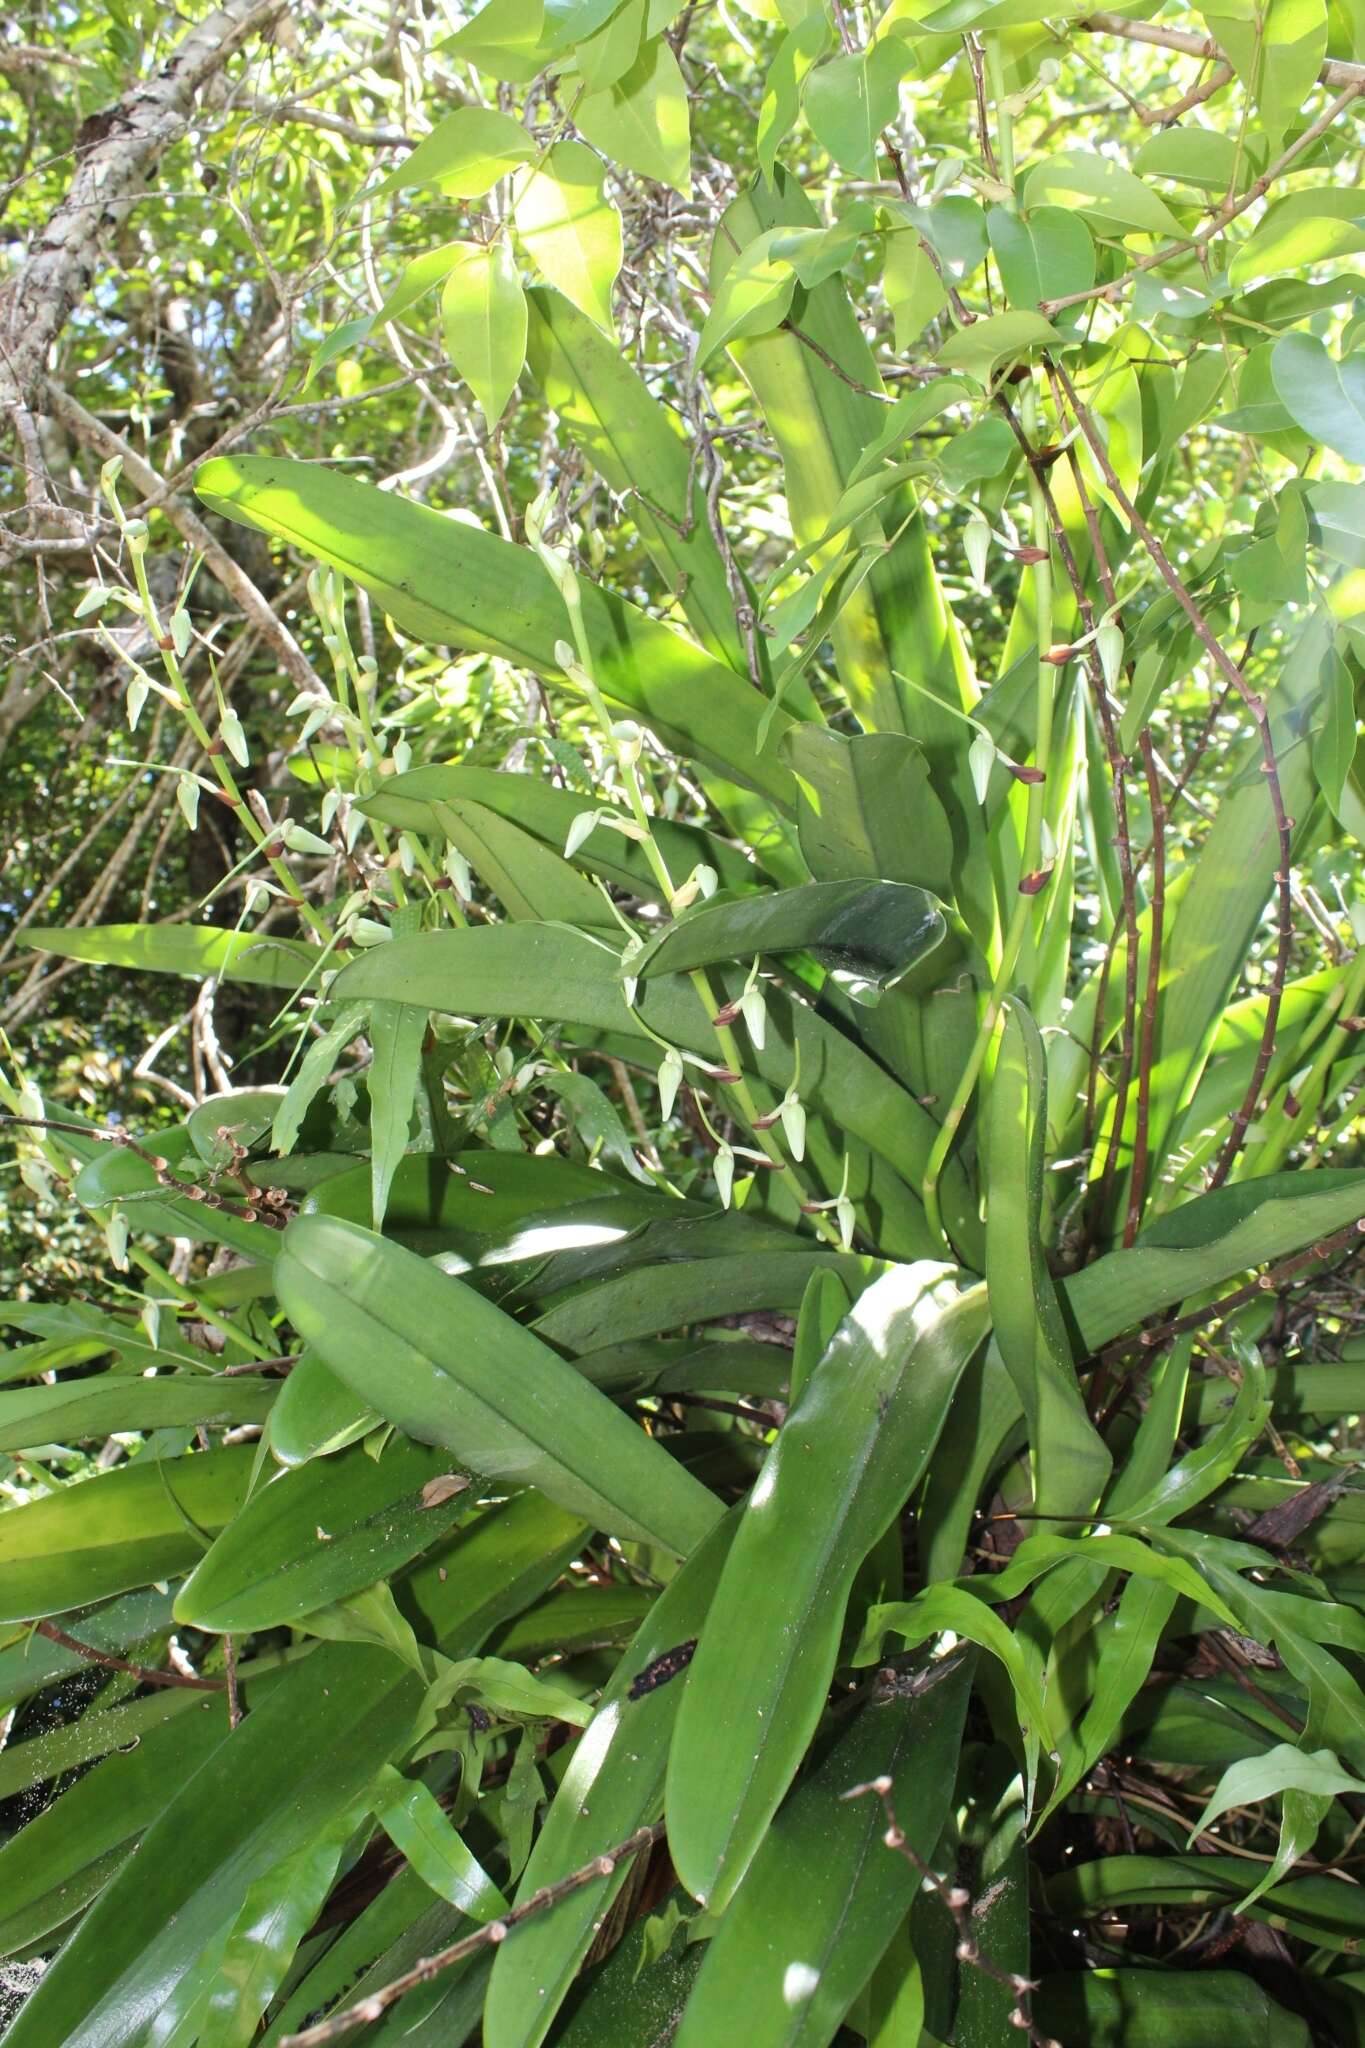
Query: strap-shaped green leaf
(638, 448)
(297, 1760)
(428, 799)
(850, 1452)
(150, 1520)
(198, 950)
(1207, 1241)
(876, 930)
(534, 970)
(456, 585)
(320, 1533)
(824, 1894)
(97, 1406)
(448, 1367)
(1070, 1461)
(613, 1786)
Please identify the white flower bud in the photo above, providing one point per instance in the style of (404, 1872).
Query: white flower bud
(754, 1011)
(670, 1079)
(187, 796)
(793, 1115)
(579, 832)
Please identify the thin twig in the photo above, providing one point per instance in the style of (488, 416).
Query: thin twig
(141, 1672)
(366, 2010)
(1243, 1116)
(1217, 1311)
(956, 1900)
(1227, 213)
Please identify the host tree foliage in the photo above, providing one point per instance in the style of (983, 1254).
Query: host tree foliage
(683, 995)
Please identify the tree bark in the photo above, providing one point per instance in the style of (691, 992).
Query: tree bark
(116, 150)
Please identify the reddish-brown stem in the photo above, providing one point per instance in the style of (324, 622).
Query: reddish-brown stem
(141, 1672)
(1225, 214)
(1152, 1340)
(1242, 1117)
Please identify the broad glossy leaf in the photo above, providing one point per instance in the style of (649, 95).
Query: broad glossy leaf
(50, 1868)
(485, 1211)
(276, 1914)
(1326, 398)
(1069, 1458)
(851, 1451)
(294, 1763)
(801, 47)
(315, 1414)
(411, 1816)
(465, 153)
(1207, 1241)
(450, 1368)
(242, 1116)
(914, 290)
(575, 1618)
(1083, 181)
(483, 319)
(118, 1530)
(824, 1893)
(1277, 55)
(1044, 254)
(613, 1785)
(643, 121)
(452, 583)
(570, 229)
(979, 350)
(1196, 156)
(874, 930)
(1153, 2008)
(663, 1297)
(320, 1533)
(1312, 226)
(636, 1997)
(850, 100)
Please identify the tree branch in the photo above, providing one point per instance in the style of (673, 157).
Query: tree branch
(255, 607)
(113, 160)
(1333, 71)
